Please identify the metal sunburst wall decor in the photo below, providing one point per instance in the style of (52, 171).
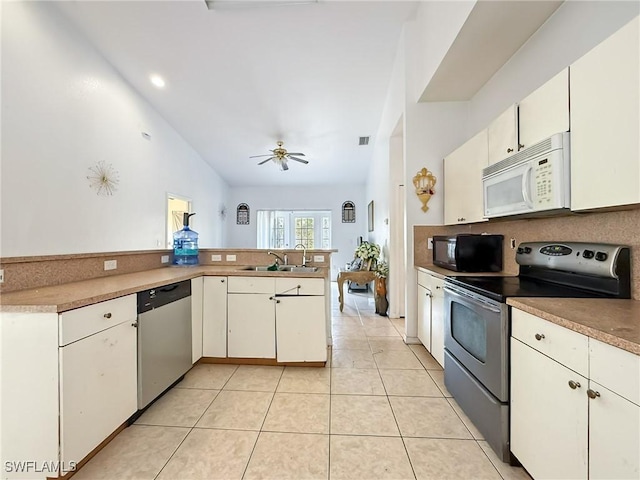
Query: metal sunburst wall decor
(103, 178)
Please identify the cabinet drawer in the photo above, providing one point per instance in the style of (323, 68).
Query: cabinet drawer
(571, 349)
(300, 286)
(251, 285)
(424, 279)
(615, 369)
(85, 321)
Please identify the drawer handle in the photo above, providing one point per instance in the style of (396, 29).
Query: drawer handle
(509, 150)
(592, 394)
(539, 336)
(574, 385)
(107, 315)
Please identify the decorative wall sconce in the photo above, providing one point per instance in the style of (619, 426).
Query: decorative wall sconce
(424, 181)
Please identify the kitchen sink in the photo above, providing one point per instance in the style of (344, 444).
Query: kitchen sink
(283, 268)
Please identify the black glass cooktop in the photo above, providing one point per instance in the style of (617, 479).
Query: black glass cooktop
(500, 288)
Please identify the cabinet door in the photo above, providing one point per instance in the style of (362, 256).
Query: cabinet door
(545, 111)
(98, 389)
(437, 321)
(251, 325)
(424, 316)
(503, 135)
(463, 181)
(614, 436)
(301, 329)
(197, 291)
(214, 317)
(548, 417)
(605, 125)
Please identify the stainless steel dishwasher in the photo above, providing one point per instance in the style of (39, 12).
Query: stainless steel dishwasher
(164, 339)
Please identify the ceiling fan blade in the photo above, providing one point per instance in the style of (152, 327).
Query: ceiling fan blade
(267, 155)
(284, 165)
(265, 161)
(298, 159)
(299, 154)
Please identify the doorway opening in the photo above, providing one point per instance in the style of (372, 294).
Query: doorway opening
(176, 207)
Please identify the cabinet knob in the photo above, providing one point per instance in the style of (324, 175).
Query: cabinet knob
(134, 324)
(592, 394)
(437, 287)
(539, 336)
(520, 146)
(222, 281)
(509, 150)
(574, 385)
(107, 315)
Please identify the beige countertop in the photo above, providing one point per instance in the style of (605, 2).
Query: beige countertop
(59, 298)
(612, 321)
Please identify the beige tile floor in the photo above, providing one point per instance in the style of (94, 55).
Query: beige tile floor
(378, 411)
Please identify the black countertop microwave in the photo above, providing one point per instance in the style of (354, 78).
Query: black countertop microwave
(468, 252)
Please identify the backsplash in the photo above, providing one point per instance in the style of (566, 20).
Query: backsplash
(621, 227)
(32, 272)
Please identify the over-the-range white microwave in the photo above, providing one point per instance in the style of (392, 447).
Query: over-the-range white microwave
(537, 179)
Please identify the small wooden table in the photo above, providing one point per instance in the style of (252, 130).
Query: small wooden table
(358, 276)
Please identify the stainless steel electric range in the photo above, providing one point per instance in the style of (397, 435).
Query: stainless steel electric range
(478, 325)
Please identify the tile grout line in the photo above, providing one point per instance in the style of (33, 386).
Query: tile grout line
(196, 422)
(246, 467)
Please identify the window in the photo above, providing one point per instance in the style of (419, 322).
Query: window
(286, 229)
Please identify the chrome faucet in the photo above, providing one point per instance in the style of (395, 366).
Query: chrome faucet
(278, 257)
(304, 253)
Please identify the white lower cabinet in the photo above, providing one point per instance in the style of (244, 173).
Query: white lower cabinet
(251, 325)
(98, 389)
(437, 320)
(69, 381)
(214, 317)
(431, 314)
(276, 317)
(424, 316)
(548, 418)
(566, 425)
(300, 329)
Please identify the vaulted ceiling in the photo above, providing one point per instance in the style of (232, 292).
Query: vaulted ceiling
(238, 80)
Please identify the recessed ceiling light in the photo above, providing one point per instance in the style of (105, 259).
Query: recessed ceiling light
(157, 80)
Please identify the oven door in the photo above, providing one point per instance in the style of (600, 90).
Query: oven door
(477, 335)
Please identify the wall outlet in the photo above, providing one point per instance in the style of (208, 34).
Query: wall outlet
(231, 258)
(318, 258)
(429, 243)
(2, 276)
(164, 259)
(216, 258)
(110, 264)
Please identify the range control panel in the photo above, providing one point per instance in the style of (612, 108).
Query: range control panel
(589, 258)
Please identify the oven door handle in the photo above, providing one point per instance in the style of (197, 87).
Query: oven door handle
(477, 301)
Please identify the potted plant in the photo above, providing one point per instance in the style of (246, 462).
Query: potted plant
(368, 252)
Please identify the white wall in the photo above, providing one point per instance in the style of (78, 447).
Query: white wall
(329, 197)
(64, 109)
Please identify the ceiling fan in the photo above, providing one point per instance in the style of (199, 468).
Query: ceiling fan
(280, 156)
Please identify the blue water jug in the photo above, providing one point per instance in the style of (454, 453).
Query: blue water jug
(185, 244)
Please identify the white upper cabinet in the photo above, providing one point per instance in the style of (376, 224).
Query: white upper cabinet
(463, 181)
(545, 111)
(503, 135)
(605, 126)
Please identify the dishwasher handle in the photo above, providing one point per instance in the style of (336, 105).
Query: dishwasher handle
(163, 295)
